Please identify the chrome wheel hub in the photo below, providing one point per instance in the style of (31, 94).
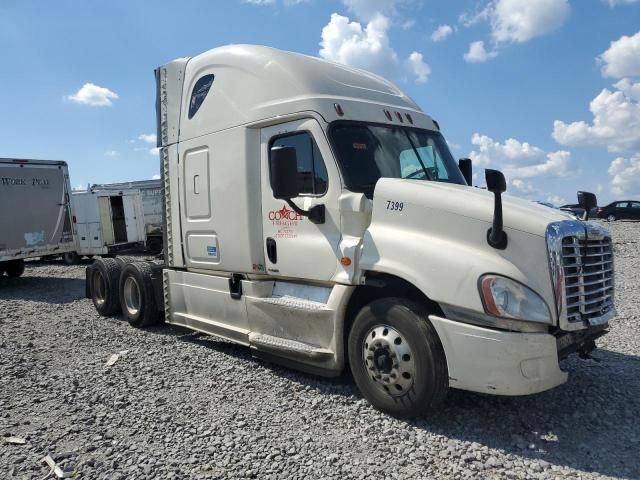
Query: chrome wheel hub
(389, 360)
(131, 296)
(99, 288)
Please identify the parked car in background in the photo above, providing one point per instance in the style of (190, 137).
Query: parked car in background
(620, 210)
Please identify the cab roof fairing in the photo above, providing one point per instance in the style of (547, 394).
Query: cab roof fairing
(254, 83)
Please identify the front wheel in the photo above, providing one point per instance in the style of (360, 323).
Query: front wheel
(397, 359)
(611, 218)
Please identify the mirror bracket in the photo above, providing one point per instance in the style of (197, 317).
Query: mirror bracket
(315, 214)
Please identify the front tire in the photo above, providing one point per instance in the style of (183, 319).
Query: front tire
(137, 298)
(397, 359)
(611, 218)
(14, 268)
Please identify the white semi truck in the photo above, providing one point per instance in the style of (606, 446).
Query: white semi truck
(35, 212)
(107, 222)
(314, 213)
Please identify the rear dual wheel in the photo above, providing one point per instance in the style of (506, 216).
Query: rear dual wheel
(137, 298)
(397, 359)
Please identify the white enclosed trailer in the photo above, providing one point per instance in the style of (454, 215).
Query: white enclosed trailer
(107, 222)
(152, 202)
(35, 214)
(314, 213)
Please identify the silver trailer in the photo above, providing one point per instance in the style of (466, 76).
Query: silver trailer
(35, 212)
(151, 191)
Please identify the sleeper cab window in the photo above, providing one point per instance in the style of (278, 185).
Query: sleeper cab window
(312, 173)
(199, 93)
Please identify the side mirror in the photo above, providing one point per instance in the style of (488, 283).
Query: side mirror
(496, 236)
(283, 168)
(495, 181)
(588, 201)
(465, 166)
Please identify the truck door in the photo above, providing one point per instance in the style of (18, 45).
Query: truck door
(104, 207)
(294, 246)
(131, 213)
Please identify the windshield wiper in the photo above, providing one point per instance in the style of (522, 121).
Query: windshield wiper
(415, 150)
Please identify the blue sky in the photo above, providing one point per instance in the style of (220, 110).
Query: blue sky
(551, 95)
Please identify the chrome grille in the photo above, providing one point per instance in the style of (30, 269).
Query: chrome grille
(582, 273)
(588, 272)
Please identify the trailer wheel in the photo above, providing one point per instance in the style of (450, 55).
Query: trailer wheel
(396, 358)
(105, 273)
(70, 258)
(137, 297)
(14, 268)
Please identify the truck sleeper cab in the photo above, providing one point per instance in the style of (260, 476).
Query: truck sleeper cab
(314, 213)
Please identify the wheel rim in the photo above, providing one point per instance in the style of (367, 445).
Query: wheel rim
(131, 296)
(611, 218)
(99, 288)
(388, 360)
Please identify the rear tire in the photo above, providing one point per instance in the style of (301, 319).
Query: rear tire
(137, 297)
(70, 258)
(396, 358)
(611, 218)
(14, 268)
(123, 260)
(105, 274)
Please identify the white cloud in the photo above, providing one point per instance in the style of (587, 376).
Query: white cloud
(521, 20)
(622, 58)
(555, 199)
(154, 151)
(156, 177)
(408, 24)
(519, 160)
(616, 121)
(369, 9)
(615, 3)
(630, 89)
(625, 175)
(367, 48)
(442, 32)
(523, 187)
(477, 53)
(93, 95)
(148, 137)
(514, 21)
(418, 67)
(111, 153)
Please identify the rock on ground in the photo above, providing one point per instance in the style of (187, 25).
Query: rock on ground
(177, 404)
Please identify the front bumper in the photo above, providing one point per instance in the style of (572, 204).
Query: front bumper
(498, 362)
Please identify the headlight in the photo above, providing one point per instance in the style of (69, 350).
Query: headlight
(506, 298)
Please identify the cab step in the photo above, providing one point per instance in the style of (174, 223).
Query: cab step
(288, 347)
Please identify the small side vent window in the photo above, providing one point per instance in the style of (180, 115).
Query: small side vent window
(199, 93)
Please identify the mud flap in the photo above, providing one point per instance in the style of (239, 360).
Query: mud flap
(87, 283)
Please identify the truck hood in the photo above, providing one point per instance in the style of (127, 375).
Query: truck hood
(476, 203)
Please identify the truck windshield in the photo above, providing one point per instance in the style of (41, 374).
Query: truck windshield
(368, 152)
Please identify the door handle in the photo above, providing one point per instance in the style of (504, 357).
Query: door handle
(272, 250)
(196, 184)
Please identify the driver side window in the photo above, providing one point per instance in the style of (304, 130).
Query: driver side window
(312, 173)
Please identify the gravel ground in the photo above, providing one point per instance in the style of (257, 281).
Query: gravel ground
(184, 405)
